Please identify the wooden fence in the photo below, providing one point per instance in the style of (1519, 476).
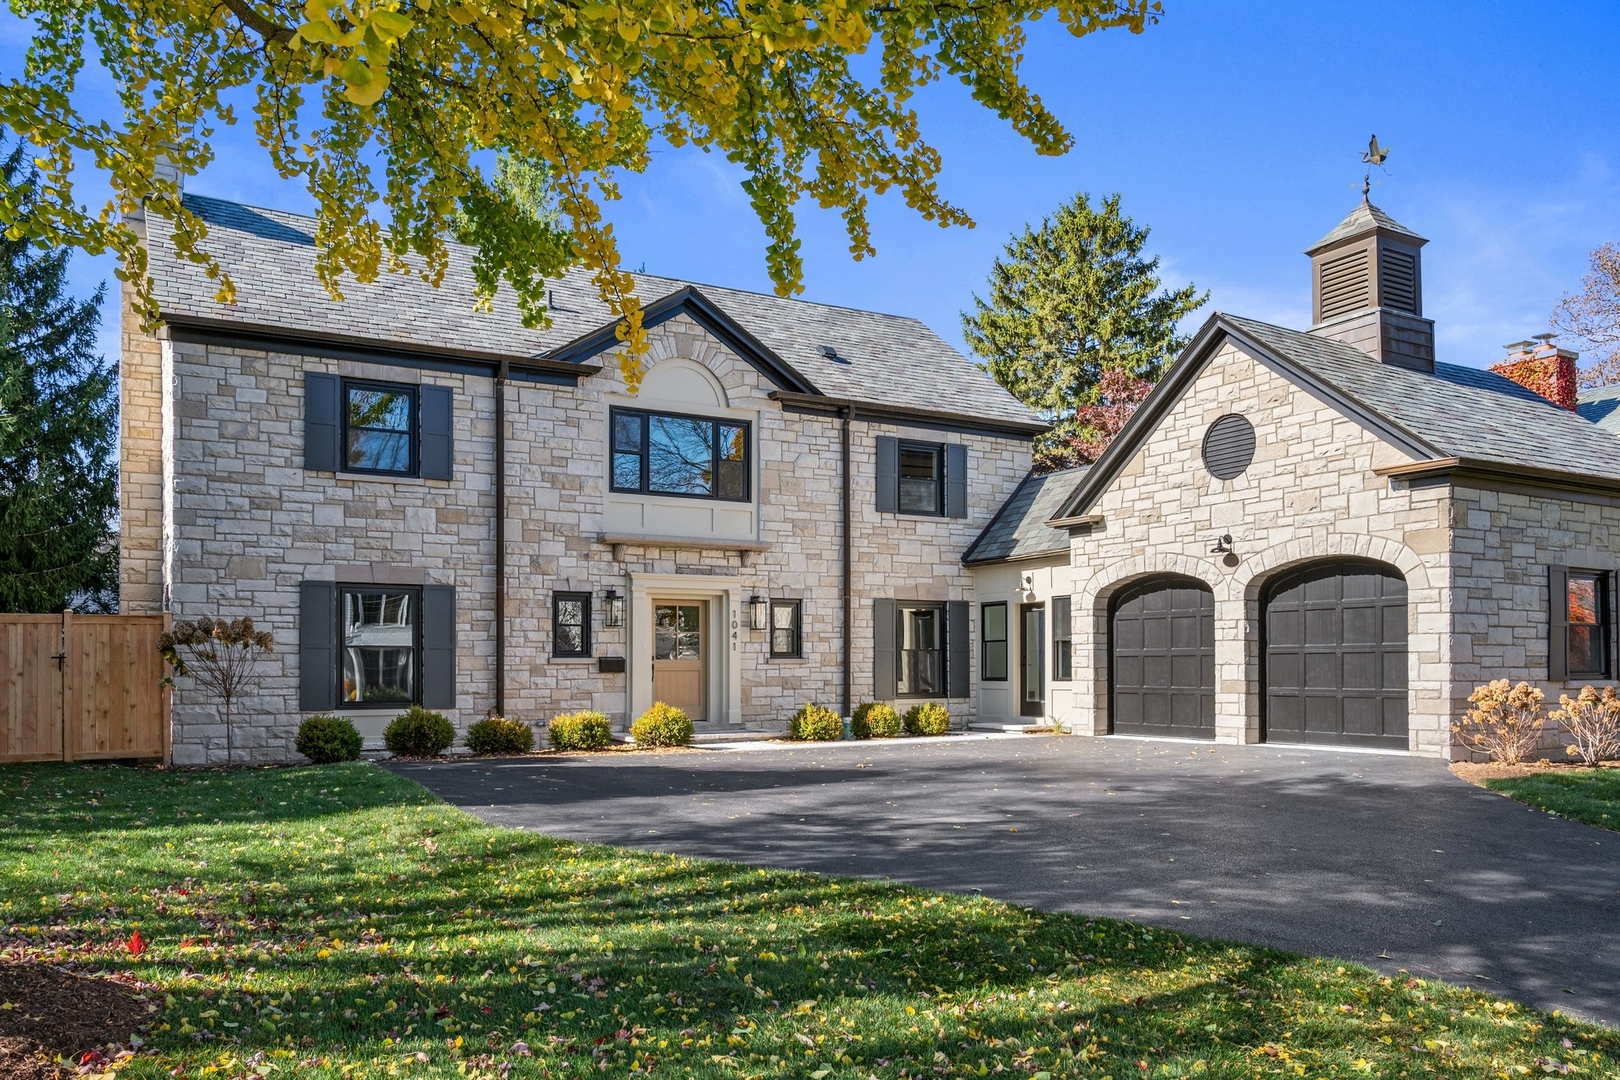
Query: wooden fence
(82, 688)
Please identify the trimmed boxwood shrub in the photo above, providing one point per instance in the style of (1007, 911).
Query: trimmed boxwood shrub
(580, 731)
(419, 732)
(325, 739)
(816, 723)
(498, 735)
(875, 720)
(928, 718)
(662, 725)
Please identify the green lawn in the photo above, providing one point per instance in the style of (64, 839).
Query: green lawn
(341, 922)
(1589, 795)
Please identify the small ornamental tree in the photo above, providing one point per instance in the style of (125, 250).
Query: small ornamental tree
(1505, 722)
(1593, 721)
(219, 656)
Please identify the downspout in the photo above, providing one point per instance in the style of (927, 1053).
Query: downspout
(849, 599)
(500, 539)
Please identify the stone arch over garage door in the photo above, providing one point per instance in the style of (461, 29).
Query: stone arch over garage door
(1161, 633)
(1334, 655)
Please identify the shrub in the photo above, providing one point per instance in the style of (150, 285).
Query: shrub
(419, 732)
(928, 718)
(875, 720)
(325, 739)
(816, 723)
(1593, 720)
(1505, 722)
(498, 735)
(580, 731)
(662, 725)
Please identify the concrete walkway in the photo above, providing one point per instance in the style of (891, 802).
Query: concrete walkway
(1382, 859)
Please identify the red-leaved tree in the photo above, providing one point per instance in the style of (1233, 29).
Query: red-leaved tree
(1082, 438)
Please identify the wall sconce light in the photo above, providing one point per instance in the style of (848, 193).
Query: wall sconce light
(1223, 546)
(759, 612)
(613, 608)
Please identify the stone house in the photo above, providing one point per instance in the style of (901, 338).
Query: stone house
(427, 503)
(1325, 537)
(1322, 537)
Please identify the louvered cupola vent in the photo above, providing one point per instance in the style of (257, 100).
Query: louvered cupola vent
(1397, 280)
(1367, 276)
(1345, 285)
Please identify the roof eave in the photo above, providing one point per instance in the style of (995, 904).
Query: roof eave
(899, 414)
(1464, 468)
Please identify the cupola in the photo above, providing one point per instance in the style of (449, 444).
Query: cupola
(1367, 289)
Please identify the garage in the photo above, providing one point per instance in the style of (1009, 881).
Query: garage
(1162, 659)
(1335, 656)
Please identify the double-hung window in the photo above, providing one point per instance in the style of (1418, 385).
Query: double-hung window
(993, 640)
(668, 454)
(787, 629)
(571, 624)
(920, 635)
(379, 643)
(1062, 640)
(922, 478)
(379, 428)
(1585, 623)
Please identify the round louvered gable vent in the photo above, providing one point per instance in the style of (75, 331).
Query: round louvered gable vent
(1229, 447)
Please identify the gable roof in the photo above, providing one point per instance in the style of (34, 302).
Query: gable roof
(1020, 530)
(1461, 415)
(1601, 407)
(885, 360)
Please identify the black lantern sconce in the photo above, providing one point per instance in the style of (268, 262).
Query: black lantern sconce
(613, 608)
(759, 612)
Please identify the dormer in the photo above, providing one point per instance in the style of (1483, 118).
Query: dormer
(1367, 289)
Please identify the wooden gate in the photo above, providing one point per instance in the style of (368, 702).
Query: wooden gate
(82, 688)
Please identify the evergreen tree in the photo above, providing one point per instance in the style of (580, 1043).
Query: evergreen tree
(1071, 303)
(58, 429)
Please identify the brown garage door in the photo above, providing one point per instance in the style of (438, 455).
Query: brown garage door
(1162, 645)
(1335, 656)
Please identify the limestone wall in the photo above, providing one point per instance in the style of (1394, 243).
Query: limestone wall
(1311, 493)
(247, 523)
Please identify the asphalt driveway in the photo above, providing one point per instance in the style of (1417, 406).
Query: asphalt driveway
(1386, 860)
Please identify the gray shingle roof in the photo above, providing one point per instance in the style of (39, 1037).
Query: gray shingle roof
(1020, 530)
(1363, 218)
(892, 361)
(1602, 407)
(1459, 412)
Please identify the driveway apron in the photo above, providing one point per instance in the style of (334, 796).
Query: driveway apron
(1386, 860)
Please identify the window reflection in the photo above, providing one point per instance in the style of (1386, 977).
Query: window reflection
(379, 645)
(378, 429)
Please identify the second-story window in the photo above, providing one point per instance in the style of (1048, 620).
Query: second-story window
(922, 478)
(668, 454)
(379, 428)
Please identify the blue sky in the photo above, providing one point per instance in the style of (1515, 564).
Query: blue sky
(1232, 129)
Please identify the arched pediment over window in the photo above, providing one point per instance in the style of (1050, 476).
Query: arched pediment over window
(682, 382)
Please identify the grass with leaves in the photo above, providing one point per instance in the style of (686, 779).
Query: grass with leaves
(341, 922)
(1589, 795)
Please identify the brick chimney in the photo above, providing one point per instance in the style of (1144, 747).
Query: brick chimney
(1544, 368)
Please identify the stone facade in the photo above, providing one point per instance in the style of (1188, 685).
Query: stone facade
(1311, 493)
(220, 517)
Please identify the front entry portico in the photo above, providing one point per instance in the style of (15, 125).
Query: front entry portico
(685, 647)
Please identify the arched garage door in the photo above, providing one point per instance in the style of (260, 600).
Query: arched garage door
(1335, 655)
(1162, 646)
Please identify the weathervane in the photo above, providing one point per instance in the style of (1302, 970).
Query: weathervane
(1375, 155)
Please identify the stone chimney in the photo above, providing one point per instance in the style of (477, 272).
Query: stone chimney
(1367, 289)
(1544, 368)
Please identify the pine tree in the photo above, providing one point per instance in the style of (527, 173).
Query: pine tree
(1070, 303)
(58, 430)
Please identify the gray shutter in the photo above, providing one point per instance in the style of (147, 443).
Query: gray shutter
(888, 475)
(437, 424)
(323, 421)
(1558, 622)
(884, 682)
(959, 657)
(317, 646)
(439, 646)
(955, 480)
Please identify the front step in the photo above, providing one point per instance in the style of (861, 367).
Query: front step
(1004, 728)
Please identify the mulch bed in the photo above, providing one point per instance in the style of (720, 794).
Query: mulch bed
(46, 1013)
(1477, 772)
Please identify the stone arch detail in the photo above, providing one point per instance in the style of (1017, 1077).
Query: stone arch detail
(1101, 586)
(1257, 570)
(680, 380)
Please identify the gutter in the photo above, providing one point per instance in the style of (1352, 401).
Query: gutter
(1499, 472)
(836, 405)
